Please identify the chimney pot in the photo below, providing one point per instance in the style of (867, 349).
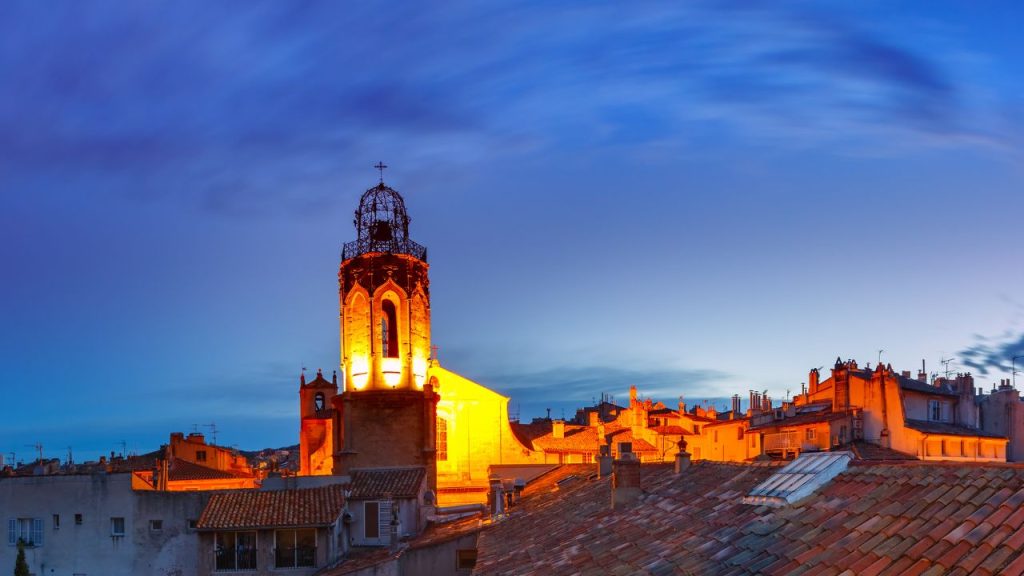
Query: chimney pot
(625, 483)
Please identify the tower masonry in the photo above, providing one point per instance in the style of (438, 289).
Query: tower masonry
(385, 414)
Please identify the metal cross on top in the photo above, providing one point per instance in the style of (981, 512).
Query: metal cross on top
(381, 166)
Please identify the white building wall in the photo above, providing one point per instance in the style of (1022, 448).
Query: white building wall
(90, 548)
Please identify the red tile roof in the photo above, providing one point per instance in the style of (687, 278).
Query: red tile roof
(892, 518)
(371, 483)
(246, 509)
(929, 427)
(180, 470)
(576, 438)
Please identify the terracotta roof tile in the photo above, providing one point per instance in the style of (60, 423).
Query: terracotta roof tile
(864, 521)
(371, 483)
(273, 508)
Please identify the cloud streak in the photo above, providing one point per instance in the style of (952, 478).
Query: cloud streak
(230, 107)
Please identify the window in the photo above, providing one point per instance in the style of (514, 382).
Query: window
(27, 530)
(234, 551)
(78, 519)
(442, 439)
(934, 410)
(156, 525)
(388, 329)
(371, 520)
(192, 523)
(295, 548)
(696, 428)
(739, 433)
(716, 435)
(56, 521)
(588, 458)
(318, 401)
(200, 455)
(812, 434)
(117, 526)
(465, 559)
(377, 519)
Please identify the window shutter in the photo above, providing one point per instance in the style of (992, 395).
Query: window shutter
(37, 531)
(385, 519)
(12, 531)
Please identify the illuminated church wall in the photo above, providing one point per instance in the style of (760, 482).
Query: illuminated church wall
(473, 433)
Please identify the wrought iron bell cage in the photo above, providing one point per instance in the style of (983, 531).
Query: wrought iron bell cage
(382, 225)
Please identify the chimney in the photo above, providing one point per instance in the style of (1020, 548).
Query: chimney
(604, 461)
(682, 457)
(558, 428)
(625, 479)
(922, 374)
(496, 498)
(593, 418)
(735, 405)
(906, 374)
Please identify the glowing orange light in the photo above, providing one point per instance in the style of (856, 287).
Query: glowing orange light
(392, 370)
(419, 371)
(360, 373)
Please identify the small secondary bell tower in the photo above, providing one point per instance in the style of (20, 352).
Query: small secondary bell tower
(387, 410)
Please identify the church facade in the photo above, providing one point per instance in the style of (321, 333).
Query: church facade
(396, 406)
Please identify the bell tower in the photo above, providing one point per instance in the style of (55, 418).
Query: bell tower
(386, 410)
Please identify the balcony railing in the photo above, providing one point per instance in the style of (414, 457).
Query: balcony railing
(781, 442)
(389, 246)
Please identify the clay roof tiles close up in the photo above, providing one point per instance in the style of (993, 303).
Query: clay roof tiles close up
(248, 509)
(904, 518)
(373, 483)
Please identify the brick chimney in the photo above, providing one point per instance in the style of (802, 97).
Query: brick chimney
(625, 481)
(682, 457)
(558, 428)
(593, 418)
(604, 461)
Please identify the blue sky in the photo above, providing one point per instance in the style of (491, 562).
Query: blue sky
(696, 198)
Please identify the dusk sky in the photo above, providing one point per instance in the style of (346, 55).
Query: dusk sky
(696, 198)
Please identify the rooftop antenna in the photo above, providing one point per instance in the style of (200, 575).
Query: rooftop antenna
(880, 356)
(945, 362)
(213, 431)
(71, 460)
(39, 448)
(124, 448)
(381, 166)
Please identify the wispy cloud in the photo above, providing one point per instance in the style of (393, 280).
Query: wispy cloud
(244, 110)
(994, 354)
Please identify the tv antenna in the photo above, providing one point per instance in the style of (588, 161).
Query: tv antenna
(945, 362)
(39, 449)
(213, 431)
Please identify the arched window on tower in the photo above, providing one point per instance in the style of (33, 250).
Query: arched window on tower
(442, 439)
(389, 329)
(318, 401)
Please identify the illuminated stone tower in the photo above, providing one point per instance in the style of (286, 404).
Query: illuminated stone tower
(386, 412)
(316, 435)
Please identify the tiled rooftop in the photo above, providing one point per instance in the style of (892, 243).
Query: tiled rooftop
(576, 438)
(371, 483)
(930, 427)
(905, 519)
(273, 508)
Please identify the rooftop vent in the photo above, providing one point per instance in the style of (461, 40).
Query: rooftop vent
(799, 478)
